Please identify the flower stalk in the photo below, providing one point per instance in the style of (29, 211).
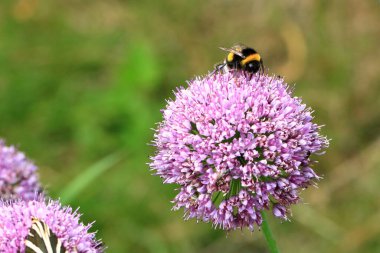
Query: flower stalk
(272, 245)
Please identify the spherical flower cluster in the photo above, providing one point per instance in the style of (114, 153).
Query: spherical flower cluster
(236, 145)
(18, 177)
(16, 220)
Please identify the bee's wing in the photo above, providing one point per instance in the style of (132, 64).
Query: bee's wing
(239, 46)
(233, 50)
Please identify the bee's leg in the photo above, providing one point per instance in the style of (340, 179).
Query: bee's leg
(258, 74)
(235, 73)
(235, 70)
(248, 75)
(261, 70)
(218, 67)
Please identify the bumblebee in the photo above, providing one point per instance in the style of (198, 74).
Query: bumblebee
(242, 58)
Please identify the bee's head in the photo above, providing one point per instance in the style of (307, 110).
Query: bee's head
(252, 66)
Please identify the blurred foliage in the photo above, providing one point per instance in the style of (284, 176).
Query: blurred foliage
(80, 80)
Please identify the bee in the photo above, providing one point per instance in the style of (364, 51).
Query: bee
(241, 57)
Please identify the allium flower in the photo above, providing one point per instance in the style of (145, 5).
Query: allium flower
(16, 220)
(18, 177)
(236, 146)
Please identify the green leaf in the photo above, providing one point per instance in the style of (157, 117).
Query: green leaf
(73, 189)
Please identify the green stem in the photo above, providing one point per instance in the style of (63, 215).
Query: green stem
(268, 234)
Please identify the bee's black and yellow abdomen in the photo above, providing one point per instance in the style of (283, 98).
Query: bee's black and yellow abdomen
(243, 58)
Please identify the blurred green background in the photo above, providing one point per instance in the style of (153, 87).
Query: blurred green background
(83, 80)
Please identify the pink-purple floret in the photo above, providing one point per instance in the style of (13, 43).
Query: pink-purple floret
(16, 219)
(18, 175)
(236, 146)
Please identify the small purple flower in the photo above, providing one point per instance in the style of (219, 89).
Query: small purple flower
(236, 146)
(16, 220)
(18, 175)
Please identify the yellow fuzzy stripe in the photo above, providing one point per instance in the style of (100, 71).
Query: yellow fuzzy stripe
(230, 57)
(252, 57)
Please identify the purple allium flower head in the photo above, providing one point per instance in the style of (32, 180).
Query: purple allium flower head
(16, 220)
(236, 146)
(18, 175)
